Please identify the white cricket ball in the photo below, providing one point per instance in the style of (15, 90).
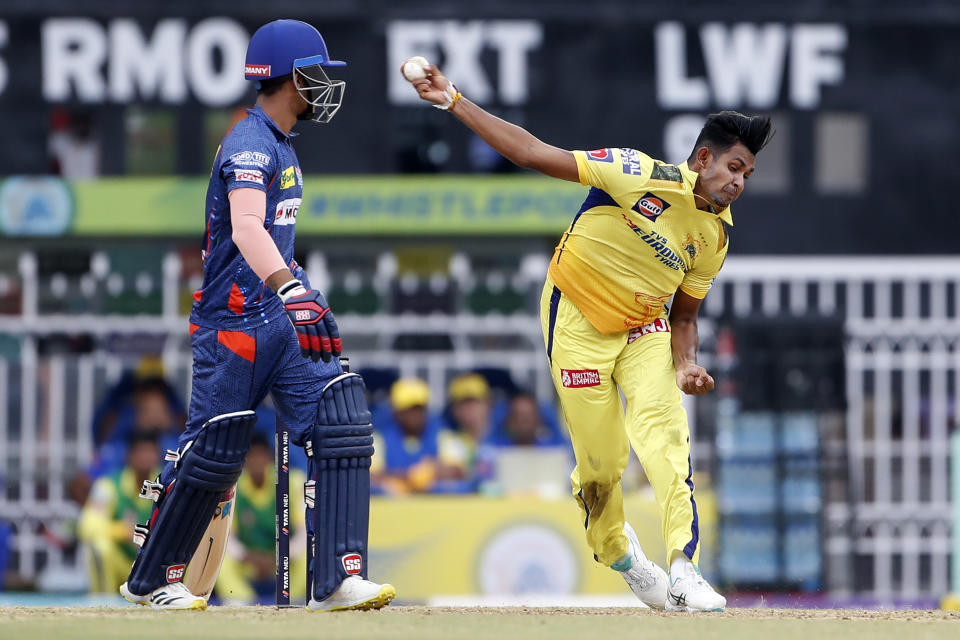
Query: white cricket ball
(413, 68)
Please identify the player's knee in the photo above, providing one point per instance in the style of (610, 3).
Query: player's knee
(594, 497)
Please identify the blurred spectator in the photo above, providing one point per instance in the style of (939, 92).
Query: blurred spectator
(141, 402)
(470, 407)
(73, 147)
(412, 454)
(528, 423)
(112, 509)
(470, 412)
(247, 575)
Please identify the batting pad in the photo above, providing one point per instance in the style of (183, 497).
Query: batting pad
(338, 494)
(208, 466)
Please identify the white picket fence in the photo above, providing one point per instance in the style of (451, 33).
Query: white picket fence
(892, 530)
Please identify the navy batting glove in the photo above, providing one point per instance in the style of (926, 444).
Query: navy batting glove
(310, 315)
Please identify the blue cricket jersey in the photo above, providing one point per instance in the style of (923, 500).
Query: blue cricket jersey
(255, 154)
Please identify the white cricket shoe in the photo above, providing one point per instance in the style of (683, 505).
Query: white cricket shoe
(691, 593)
(647, 580)
(173, 596)
(355, 594)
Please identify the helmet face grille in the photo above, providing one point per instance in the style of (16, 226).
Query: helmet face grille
(322, 93)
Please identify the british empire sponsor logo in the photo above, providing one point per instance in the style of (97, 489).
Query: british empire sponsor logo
(259, 70)
(579, 378)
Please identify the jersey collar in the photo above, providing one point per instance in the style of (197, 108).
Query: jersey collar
(260, 113)
(690, 179)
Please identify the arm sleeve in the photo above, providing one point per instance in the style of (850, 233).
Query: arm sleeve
(621, 173)
(698, 280)
(248, 210)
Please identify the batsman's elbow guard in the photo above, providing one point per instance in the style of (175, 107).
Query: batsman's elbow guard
(340, 449)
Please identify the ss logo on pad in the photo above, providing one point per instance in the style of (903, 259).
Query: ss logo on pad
(352, 563)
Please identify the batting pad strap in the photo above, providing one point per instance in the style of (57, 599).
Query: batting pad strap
(140, 534)
(208, 466)
(151, 489)
(347, 441)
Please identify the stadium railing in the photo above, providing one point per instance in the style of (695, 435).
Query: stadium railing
(887, 533)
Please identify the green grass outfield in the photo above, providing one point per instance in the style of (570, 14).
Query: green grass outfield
(427, 623)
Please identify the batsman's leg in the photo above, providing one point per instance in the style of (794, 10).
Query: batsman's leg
(339, 450)
(206, 468)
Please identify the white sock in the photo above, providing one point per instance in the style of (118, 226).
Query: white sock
(678, 568)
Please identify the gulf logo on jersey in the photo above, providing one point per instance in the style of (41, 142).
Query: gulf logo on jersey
(651, 206)
(601, 155)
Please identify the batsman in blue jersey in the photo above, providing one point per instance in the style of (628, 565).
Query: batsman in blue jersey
(257, 327)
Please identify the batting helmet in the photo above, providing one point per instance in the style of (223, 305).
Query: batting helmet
(294, 48)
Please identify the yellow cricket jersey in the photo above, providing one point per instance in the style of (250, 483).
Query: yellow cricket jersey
(637, 238)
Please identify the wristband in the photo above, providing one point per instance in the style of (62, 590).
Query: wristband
(453, 97)
(290, 289)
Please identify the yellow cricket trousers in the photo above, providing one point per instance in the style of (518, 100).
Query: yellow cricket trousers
(587, 368)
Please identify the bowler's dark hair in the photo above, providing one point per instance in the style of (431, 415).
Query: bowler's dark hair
(723, 130)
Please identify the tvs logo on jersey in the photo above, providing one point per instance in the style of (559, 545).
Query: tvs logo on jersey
(248, 175)
(579, 378)
(352, 563)
(288, 178)
(286, 212)
(651, 206)
(258, 70)
(601, 155)
(175, 572)
(659, 325)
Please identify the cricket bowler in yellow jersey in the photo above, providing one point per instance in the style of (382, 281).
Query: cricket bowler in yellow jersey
(647, 234)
